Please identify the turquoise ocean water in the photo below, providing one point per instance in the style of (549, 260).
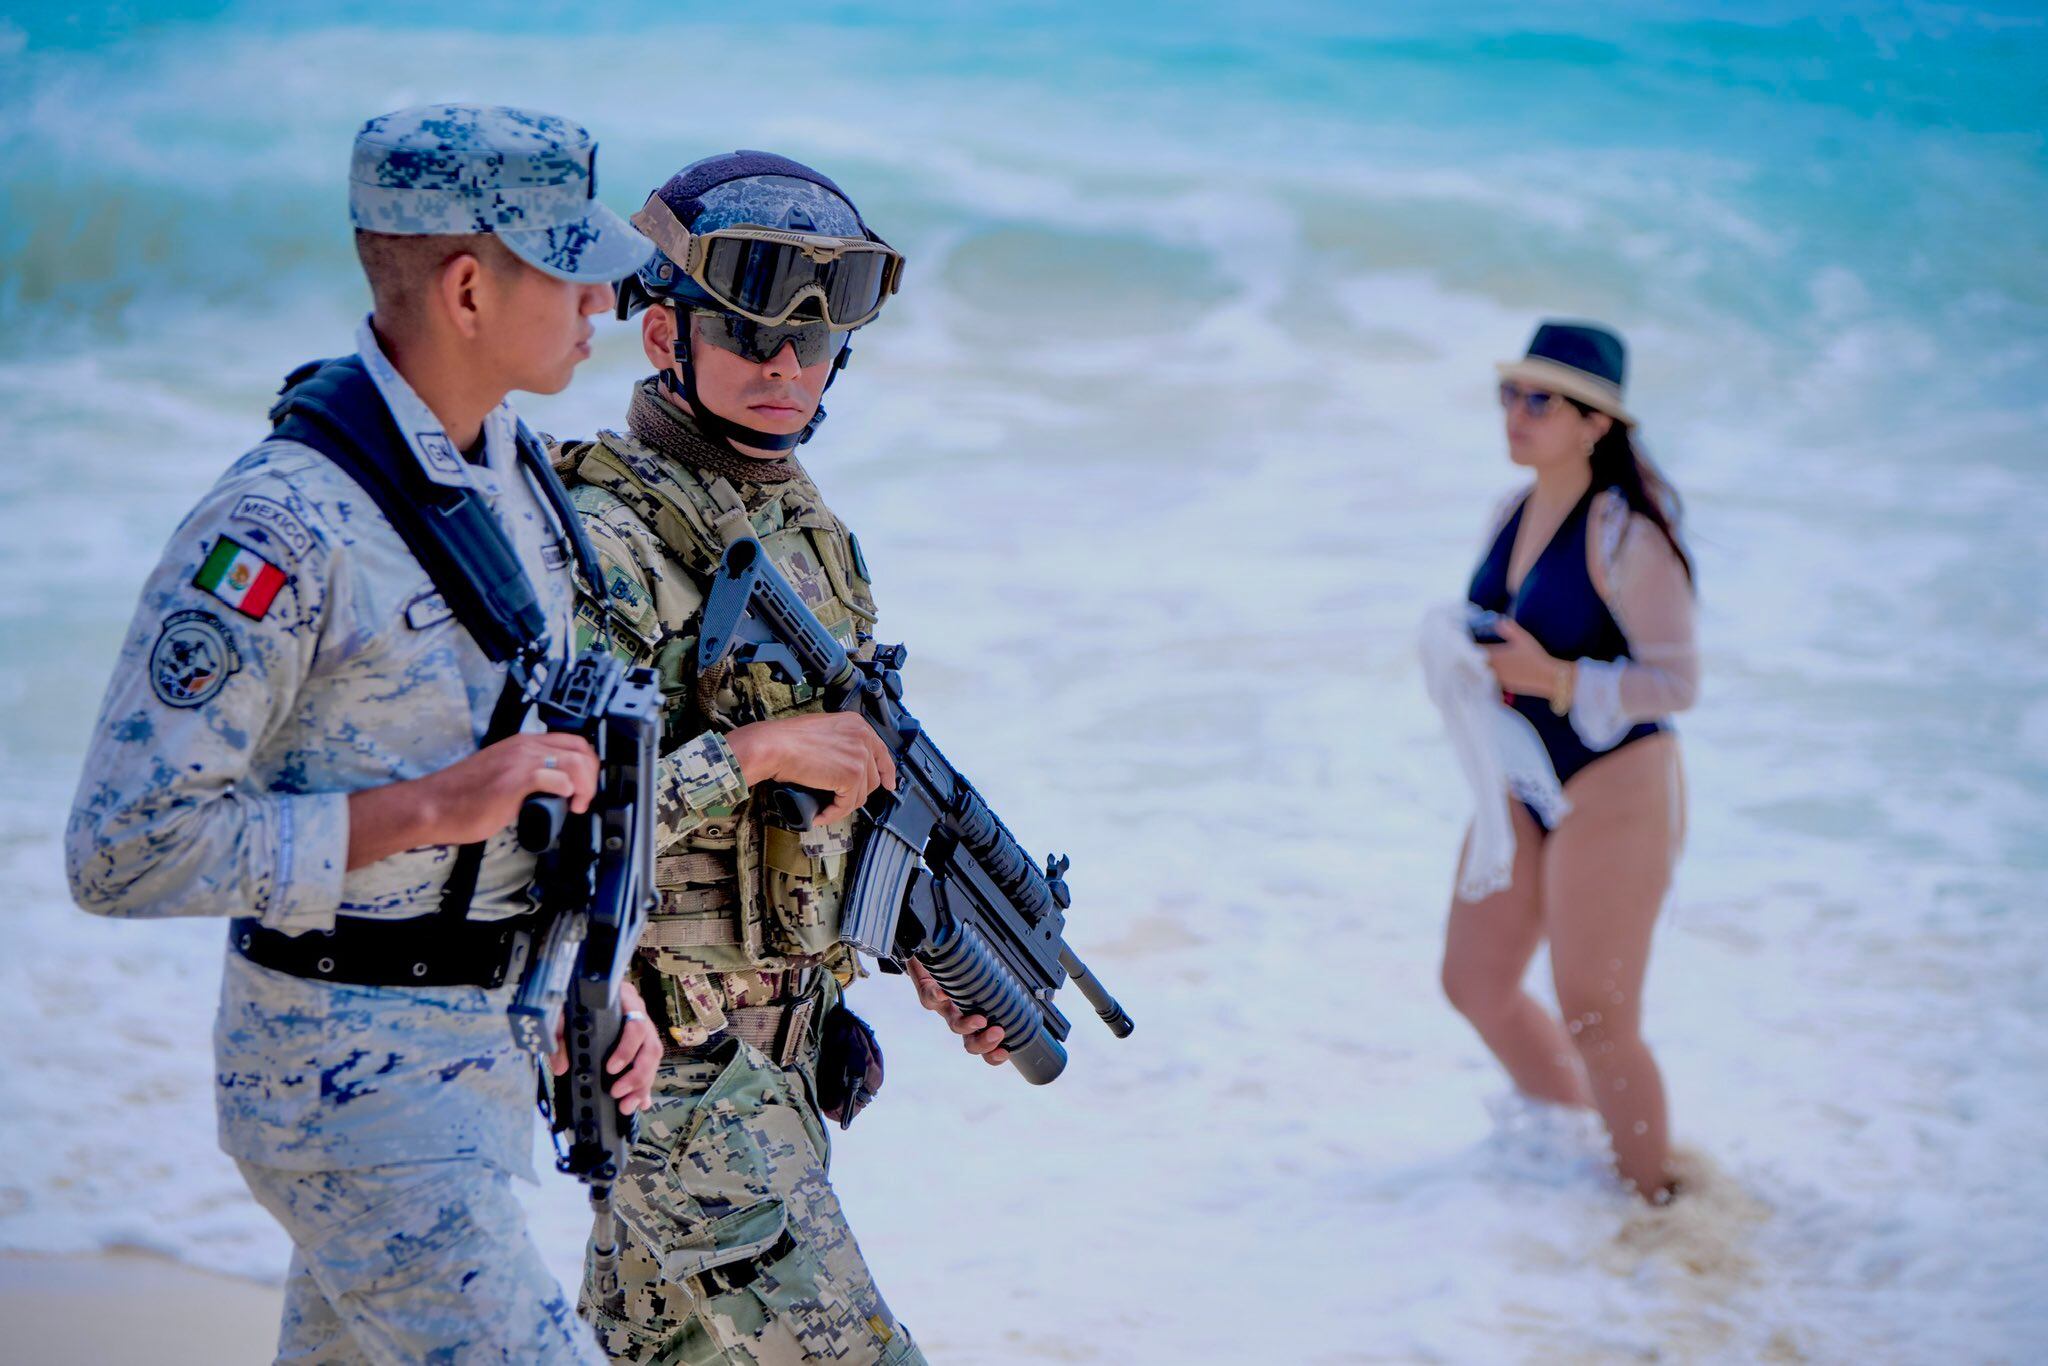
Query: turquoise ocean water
(1200, 315)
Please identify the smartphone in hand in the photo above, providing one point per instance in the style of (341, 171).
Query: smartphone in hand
(1485, 627)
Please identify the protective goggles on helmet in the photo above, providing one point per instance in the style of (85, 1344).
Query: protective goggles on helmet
(758, 342)
(765, 274)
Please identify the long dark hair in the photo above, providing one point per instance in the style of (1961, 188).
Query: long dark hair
(1618, 462)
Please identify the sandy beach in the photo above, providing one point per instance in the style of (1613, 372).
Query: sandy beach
(131, 1306)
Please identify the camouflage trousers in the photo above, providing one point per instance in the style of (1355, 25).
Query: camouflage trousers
(415, 1262)
(734, 1247)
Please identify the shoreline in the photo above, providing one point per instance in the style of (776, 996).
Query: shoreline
(131, 1305)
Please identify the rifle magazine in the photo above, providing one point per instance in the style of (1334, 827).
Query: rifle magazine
(883, 868)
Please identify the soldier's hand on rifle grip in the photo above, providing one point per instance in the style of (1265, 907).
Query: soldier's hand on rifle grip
(977, 1035)
(835, 752)
(471, 799)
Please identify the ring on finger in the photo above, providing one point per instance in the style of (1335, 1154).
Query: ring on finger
(548, 762)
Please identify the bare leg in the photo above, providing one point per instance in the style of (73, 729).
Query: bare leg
(1486, 952)
(1605, 872)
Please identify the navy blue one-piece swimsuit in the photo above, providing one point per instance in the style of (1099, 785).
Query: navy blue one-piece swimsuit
(1558, 605)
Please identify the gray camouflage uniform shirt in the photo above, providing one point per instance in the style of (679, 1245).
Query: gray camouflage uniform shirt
(288, 650)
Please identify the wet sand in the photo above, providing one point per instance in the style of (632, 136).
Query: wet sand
(131, 1306)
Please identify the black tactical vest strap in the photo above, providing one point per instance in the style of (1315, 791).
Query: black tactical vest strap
(335, 408)
(535, 457)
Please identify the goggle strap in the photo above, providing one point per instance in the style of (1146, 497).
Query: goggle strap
(659, 222)
(814, 246)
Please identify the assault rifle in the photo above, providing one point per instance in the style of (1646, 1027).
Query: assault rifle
(935, 874)
(595, 882)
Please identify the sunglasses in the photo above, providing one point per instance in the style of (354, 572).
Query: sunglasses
(815, 342)
(1535, 402)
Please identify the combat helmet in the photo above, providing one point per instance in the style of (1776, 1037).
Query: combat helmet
(769, 252)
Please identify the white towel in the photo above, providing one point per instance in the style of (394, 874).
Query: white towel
(1495, 744)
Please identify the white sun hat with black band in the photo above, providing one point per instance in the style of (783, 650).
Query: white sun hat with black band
(1578, 360)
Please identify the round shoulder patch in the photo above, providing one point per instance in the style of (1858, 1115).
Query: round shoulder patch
(193, 656)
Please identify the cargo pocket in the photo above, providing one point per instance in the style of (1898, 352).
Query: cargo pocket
(803, 883)
(702, 1179)
(696, 929)
(846, 570)
(414, 1225)
(775, 697)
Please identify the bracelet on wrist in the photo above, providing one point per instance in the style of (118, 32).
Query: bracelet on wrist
(1561, 693)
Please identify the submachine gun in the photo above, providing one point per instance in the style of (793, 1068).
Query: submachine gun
(595, 883)
(935, 874)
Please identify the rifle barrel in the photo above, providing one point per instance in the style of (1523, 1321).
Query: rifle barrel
(1113, 1015)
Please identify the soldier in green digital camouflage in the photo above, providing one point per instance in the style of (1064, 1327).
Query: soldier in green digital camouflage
(735, 1248)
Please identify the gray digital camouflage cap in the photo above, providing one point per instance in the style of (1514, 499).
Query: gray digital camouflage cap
(530, 178)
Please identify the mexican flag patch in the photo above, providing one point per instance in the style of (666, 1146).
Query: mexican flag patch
(239, 577)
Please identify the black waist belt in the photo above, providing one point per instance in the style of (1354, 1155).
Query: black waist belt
(421, 951)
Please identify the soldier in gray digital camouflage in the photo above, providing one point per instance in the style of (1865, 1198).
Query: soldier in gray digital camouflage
(735, 1247)
(291, 739)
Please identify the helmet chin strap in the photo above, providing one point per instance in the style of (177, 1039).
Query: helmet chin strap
(724, 429)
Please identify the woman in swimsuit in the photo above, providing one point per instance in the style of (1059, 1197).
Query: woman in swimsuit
(1595, 597)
